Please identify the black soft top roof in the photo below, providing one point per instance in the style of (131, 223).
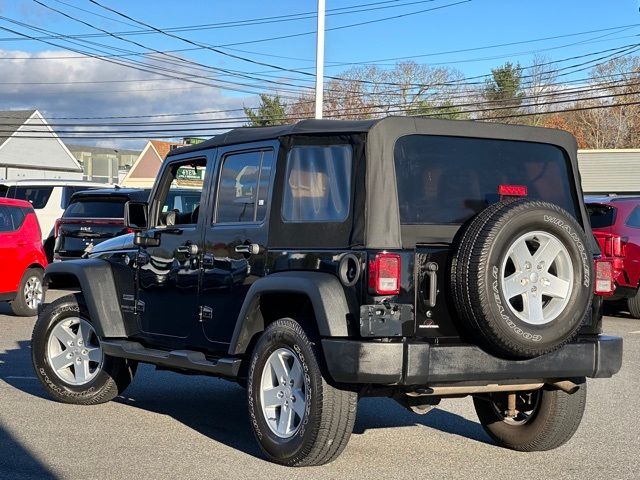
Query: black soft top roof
(382, 222)
(256, 134)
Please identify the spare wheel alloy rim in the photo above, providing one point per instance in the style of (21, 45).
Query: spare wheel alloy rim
(283, 393)
(74, 352)
(537, 277)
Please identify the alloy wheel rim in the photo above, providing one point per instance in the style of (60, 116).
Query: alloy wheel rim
(74, 351)
(537, 277)
(33, 292)
(283, 393)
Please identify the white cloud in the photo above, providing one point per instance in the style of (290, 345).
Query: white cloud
(68, 99)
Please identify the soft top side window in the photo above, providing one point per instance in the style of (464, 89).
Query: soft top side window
(317, 184)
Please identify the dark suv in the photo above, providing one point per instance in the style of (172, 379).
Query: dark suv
(92, 217)
(329, 260)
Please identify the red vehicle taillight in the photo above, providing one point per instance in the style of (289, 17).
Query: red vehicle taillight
(384, 274)
(604, 284)
(613, 246)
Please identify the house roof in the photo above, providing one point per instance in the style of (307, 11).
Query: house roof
(98, 150)
(12, 120)
(163, 148)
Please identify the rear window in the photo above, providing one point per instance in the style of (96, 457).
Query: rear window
(37, 196)
(447, 180)
(11, 218)
(69, 191)
(601, 216)
(95, 208)
(3, 190)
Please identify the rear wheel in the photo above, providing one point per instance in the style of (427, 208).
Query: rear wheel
(30, 294)
(543, 420)
(298, 418)
(69, 360)
(633, 303)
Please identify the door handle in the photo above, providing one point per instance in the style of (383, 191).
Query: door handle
(251, 249)
(432, 269)
(188, 249)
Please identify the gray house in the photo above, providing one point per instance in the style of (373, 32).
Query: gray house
(29, 148)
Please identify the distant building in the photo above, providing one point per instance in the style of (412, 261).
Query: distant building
(29, 148)
(145, 169)
(106, 165)
(610, 171)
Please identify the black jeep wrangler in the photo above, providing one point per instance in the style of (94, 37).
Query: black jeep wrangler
(328, 260)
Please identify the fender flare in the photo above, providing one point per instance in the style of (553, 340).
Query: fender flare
(324, 290)
(99, 291)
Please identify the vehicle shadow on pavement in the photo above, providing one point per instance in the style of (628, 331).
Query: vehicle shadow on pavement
(217, 409)
(16, 462)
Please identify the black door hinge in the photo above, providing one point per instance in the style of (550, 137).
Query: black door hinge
(205, 313)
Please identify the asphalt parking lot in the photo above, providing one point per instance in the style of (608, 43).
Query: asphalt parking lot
(175, 426)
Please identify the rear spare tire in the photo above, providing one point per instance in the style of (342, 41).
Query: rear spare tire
(522, 280)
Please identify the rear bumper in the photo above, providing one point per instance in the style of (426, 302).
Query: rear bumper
(622, 292)
(352, 361)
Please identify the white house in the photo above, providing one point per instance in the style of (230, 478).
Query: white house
(29, 148)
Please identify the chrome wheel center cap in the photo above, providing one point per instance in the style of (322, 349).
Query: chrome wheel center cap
(533, 278)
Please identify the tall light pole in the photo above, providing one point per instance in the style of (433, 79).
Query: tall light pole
(320, 59)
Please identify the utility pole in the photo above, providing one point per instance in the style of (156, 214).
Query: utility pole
(320, 59)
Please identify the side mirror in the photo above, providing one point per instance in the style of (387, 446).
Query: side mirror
(136, 216)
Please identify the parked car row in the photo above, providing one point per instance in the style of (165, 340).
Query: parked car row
(49, 198)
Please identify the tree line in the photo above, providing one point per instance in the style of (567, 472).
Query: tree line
(600, 110)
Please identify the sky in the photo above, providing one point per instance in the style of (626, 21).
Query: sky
(468, 35)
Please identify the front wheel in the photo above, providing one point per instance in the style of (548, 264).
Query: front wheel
(298, 418)
(68, 359)
(544, 419)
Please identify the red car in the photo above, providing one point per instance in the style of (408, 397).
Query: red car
(22, 257)
(616, 224)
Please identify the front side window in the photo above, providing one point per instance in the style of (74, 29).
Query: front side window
(244, 187)
(180, 193)
(11, 218)
(37, 196)
(317, 184)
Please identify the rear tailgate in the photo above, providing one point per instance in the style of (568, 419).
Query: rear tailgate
(89, 220)
(443, 182)
(75, 234)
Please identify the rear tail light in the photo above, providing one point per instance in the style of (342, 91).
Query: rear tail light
(604, 285)
(384, 274)
(614, 246)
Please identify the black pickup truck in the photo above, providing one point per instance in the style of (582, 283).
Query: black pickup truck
(329, 260)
